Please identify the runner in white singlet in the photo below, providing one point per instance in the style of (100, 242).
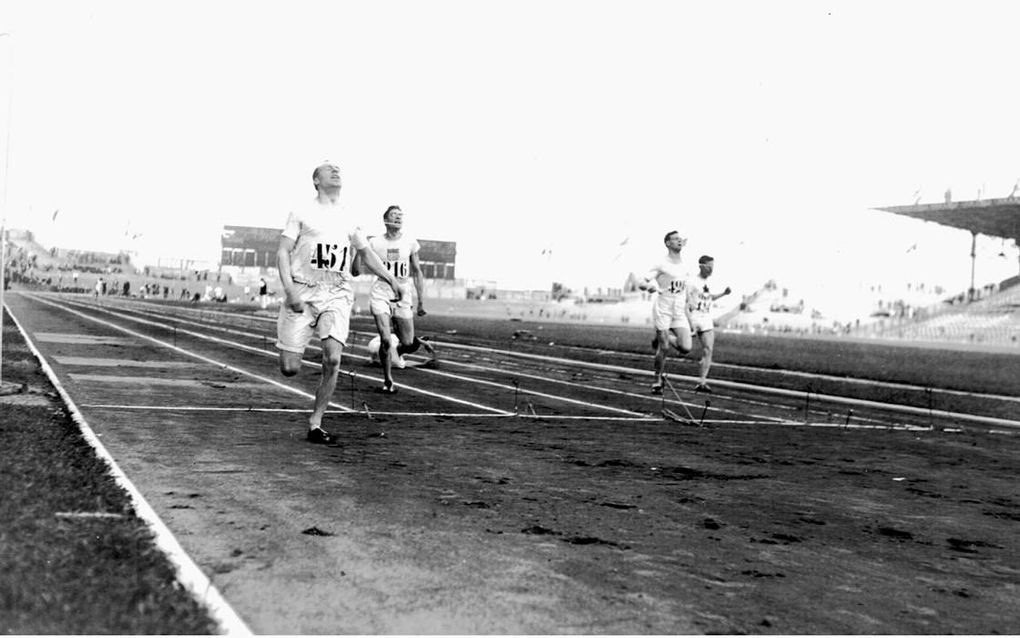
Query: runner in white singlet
(699, 304)
(399, 255)
(669, 278)
(317, 246)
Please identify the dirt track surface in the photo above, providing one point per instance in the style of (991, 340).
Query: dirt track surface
(496, 524)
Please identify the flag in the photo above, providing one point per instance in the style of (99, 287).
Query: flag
(917, 196)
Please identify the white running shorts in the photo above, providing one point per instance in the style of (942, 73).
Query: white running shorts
(701, 322)
(381, 304)
(668, 312)
(327, 313)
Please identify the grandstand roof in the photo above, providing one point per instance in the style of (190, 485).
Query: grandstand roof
(994, 217)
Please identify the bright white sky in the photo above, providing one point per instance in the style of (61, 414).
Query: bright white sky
(764, 131)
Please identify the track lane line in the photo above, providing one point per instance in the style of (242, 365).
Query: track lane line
(234, 344)
(187, 571)
(189, 353)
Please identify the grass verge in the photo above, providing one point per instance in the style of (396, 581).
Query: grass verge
(74, 558)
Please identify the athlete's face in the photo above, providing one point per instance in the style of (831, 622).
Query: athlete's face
(328, 176)
(675, 242)
(706, 268)
(394, 220)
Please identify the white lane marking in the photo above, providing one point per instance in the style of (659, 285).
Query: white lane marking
(188, 353)
(480, 415)
(248, 348)
(412, 388)
(544, 395)
(575, 384)
(89, 340)
(100, 362)
(230, 330)
(890, 407)
(115, 379)
(720, 382)
(188, 573)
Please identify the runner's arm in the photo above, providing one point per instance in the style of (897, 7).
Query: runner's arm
(286, 277)
(419, 282)
(371, 261)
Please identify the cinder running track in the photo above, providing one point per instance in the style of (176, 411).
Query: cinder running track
(509, 494)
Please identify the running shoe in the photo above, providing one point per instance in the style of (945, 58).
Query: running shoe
(320, 436)
(656, 388)
(703, 387)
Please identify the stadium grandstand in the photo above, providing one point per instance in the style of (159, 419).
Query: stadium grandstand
(988, 314)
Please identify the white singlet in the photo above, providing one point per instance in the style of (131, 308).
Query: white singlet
(700, 302)
(669, 309)
(396, 258)
(326, 239)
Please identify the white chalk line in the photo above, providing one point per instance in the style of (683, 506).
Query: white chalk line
(916, 411)
(189, 353)
(235, 331)
(241, 346)
(188, 573)
(522, 391)
(720, 382)
(372, 412)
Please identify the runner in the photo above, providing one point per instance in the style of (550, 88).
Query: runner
(699, 305)
(669, 310)
(399, 254)
(317, 246)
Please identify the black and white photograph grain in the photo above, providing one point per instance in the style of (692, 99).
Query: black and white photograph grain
(509, 317)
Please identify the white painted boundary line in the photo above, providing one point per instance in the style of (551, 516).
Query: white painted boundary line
(188, 572)
(472, 415)
(408, 387)
(891, 407)
(720, 382)
(191, 354)
(917, 411)
(241, 346)
(229, 318)
(523, 391)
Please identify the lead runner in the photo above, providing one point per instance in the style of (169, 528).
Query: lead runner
(317, 245)
(669, 313)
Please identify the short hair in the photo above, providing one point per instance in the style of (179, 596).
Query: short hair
(704, 259)
(389, 210)
(670, 234)
(315, 171)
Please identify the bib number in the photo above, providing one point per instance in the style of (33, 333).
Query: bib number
(398, 269)
(676, 286)
(329, 257)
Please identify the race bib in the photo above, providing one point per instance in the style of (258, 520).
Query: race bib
(331, 257)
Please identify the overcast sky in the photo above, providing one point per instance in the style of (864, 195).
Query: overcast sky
(764, 131)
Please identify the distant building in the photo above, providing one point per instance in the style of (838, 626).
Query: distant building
(438, 259)
(254, 247)
(249, 246)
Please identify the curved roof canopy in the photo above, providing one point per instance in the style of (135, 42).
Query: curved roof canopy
(994, 217)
